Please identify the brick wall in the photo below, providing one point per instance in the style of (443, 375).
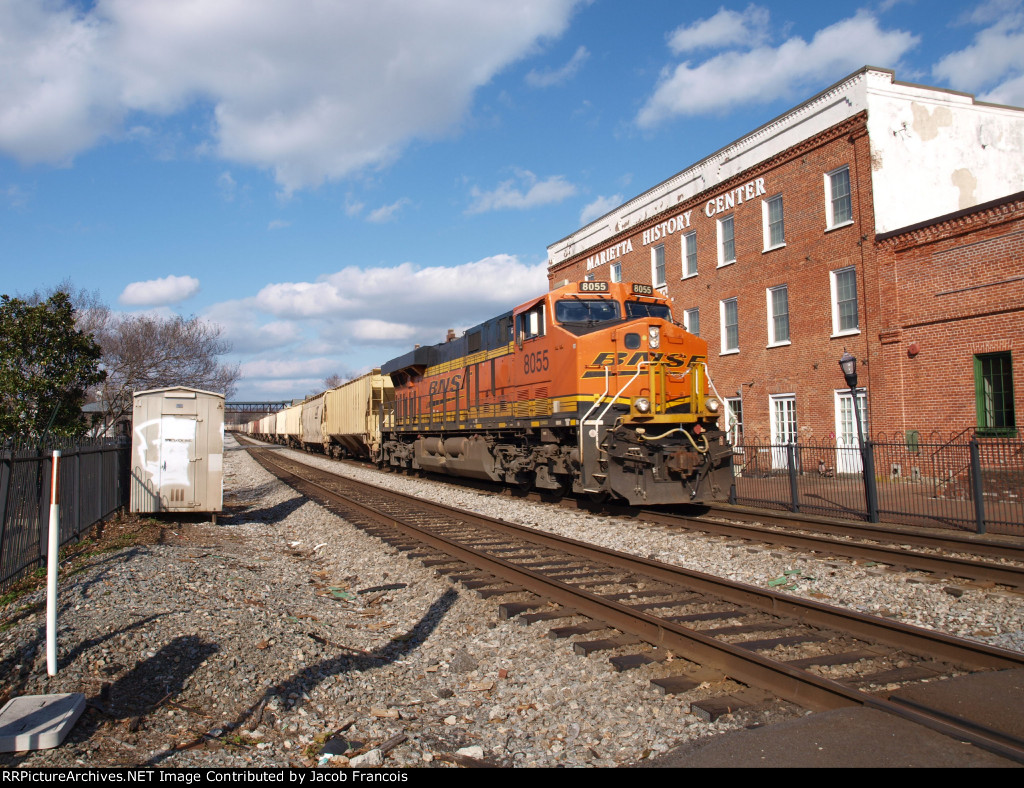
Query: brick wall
(808, 365)
(956, 289)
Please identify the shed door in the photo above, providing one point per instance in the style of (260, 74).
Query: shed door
(177, 483)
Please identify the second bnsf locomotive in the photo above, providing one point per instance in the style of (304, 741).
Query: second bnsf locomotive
(590, 387)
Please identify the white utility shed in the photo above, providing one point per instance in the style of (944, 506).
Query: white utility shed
(177, 451)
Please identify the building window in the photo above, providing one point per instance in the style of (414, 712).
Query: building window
(993, 393)
(848, 412)
(734, 419)
(689, 255)
(778, 315)
(783, 425)
(658, 266)
(588, 278)
(691, 321)
(730, 326)
(726, 241)
(838, 205)
(844, 302)
(774, 226)
(616, 272)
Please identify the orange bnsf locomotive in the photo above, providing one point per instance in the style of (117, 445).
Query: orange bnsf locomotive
(590, 387)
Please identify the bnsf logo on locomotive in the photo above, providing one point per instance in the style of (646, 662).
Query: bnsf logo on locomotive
(441, 386)
(629, 362)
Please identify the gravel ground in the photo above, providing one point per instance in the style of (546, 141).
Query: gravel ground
(255, 641)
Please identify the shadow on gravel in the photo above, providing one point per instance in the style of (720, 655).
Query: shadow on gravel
(138, 692)
(270, 514)
(353, 659)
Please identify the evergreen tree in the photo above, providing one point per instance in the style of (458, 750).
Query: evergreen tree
(46, 366)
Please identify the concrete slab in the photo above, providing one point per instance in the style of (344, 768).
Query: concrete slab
(38, 722)
(844, 738)
(859, 737)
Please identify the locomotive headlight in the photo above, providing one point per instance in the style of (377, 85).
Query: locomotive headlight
(642, 405)
(711, 404)
(654, 336)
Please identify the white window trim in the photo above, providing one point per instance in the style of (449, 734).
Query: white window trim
(721, 326)
(766, 227)
(683, 242)
(654, 266)
(848, 458)
(771, 317)
(686, 320)
(732, 426)
(615, 272)
(722, 262)
(780, 455)
(847, 332)
(829, 221)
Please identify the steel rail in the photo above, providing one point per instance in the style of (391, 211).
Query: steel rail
(941, 564)
(748, 667)
(1009, 547)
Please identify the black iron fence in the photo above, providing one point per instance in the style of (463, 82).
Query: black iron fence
(966, 482)
(93, 479)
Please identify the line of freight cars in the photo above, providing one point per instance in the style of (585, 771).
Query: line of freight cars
(590, 387)
(341, 422)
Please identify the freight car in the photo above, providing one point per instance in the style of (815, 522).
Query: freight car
(591, 387)
(352, 416)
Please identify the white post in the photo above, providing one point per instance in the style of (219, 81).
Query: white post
(52, 553)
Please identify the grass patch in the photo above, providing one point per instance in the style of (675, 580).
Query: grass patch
(106, 537)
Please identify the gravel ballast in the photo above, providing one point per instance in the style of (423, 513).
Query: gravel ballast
(256, 641)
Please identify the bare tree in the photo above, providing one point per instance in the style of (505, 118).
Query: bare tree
(91, 314)
(143, 352)
(333, 381)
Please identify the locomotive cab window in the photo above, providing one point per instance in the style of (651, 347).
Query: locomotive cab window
(635, 309)
(531, 323)
(586, 312)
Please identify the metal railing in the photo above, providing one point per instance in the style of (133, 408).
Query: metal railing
(968, 482)
(93, 478)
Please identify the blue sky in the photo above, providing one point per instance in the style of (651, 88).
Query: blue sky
(332, 182)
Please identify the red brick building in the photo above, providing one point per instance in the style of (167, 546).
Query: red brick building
(951, 294)
(851, 222)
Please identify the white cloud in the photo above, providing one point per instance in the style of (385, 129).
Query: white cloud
(599, 207)
(159, 292)
(352, 206)
(994, 62)
(548, 78)
(310, 90)
(387, 212)
(765, 74)
(241, 325)
(294, 368)
(509, 194)
(227, 186)
(381, 331)
(415, 296)
(278, 224)
(726, 28)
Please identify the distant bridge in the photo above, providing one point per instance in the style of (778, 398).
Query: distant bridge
(255, 407)
(236, 413)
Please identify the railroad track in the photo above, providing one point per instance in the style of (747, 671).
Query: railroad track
(695, 627)
(944, 556)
